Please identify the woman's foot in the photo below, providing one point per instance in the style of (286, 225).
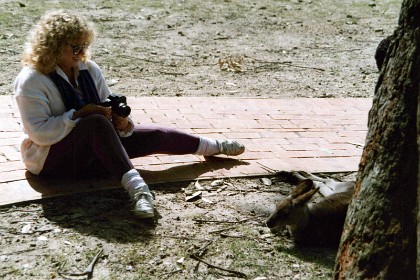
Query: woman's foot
(230, 148)
(139, 193)
(143, 205)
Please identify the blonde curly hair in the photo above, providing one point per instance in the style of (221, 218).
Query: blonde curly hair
(51, 34)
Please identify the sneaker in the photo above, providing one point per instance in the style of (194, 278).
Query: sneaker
(143, 205)
(230, 148)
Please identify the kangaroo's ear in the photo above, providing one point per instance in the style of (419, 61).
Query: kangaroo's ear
(302, 188)
(304, 198)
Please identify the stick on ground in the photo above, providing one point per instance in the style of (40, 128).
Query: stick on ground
(237, 273)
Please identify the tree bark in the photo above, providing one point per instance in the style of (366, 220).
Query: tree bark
(381, 234)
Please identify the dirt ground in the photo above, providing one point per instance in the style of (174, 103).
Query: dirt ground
(238, 48)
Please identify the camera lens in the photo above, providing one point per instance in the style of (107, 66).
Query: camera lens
(123, 110)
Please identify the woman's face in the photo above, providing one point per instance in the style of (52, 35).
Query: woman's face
(72, 53)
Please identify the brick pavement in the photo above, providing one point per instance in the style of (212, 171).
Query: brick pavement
(315, 135)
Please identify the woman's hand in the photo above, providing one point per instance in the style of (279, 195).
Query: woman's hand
(90, 109)
(119, 122)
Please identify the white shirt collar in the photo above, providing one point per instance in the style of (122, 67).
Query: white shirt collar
(80, 66)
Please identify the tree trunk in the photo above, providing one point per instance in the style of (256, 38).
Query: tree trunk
(380, 237)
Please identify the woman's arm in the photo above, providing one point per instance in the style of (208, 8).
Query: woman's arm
(124, 126)
(43, 114)
(41, 127)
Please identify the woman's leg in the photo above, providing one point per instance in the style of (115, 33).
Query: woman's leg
(95, 143)
(147, 140)
(92, 145)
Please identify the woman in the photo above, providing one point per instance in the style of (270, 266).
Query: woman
(67, 134)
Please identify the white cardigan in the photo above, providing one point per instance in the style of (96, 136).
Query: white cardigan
(45, 120)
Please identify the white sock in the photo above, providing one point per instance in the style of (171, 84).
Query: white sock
(134, 183)
(207, 147)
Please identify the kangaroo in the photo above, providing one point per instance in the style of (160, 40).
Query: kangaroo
(326, 186)
(313, 224)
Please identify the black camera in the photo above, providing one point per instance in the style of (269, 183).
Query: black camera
(118, 103)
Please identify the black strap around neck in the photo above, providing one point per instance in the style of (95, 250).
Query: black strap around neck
(71, 99)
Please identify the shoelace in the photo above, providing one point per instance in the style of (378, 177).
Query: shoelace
(229, 148)
(142, 198)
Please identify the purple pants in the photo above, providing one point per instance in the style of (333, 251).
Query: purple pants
(93, 148)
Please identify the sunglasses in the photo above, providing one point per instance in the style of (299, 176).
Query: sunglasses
(78, 49)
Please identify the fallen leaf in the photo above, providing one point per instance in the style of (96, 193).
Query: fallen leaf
(42, 238)
(221, 188)
(216, 183)
(266, 181)
(193, 197)
(198, 186)
(129, 268)
(26, 228)
(207, 200)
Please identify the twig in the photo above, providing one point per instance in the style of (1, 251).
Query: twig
(231, 236)
(88, 270)
(287, 63)
(267, 168)
(202, 249)
(139, 58)
(19, 210)
(227, 222)
(342, 51)
(221, 222)
(6, 273)
(170, 273)
(356, 144)
(44, 230)
(221, 230)
(237, 273)
(200, 252)
(23, 251)
(172, 73)
(178, 237)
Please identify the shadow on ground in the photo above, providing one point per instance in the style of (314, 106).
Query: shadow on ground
(106, 211)
(104, 214)
(53, 187)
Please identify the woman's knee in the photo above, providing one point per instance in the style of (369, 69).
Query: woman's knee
(95, 121)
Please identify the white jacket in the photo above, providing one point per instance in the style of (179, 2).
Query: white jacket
(45, 120)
